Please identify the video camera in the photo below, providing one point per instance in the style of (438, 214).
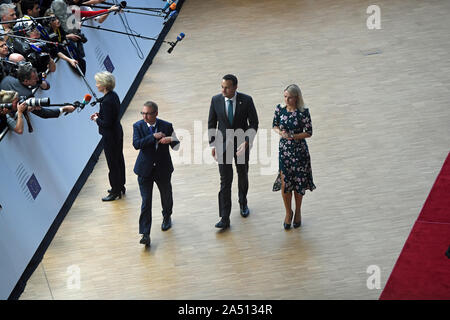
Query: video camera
(8, 68)
(33, 53)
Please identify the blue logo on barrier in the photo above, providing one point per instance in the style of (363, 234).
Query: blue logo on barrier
(108, 64)
(33, 186)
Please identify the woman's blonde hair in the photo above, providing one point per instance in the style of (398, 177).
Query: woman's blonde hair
(7, 96)
(295, 91)
(106, 79)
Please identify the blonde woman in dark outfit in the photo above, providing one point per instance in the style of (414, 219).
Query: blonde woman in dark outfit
(292, 122)
(108, 121)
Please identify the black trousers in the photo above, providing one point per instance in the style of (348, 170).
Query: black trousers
(226, 180)
(113, 147)
(146, 189)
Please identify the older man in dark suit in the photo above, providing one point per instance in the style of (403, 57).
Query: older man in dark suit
(152, 136)
(232, 126)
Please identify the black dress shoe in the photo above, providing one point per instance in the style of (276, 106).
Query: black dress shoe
(223, 224)
(123, 190)
(112, 196)
(245, 212)
(145, 239)
(166, 224)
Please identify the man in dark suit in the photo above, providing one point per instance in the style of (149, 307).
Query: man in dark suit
(152, 137)
(232, 126)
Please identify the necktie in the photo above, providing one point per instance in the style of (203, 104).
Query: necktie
(152, 130)
(230, 111)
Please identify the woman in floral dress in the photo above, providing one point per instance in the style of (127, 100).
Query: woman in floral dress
(293, 123)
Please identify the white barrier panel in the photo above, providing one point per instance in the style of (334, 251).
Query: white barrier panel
(39, 169)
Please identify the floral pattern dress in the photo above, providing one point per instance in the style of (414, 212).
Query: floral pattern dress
(294, 159)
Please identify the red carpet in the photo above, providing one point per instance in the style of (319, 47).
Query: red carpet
(422, 271)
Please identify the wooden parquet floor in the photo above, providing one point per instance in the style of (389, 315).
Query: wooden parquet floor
(381, 134)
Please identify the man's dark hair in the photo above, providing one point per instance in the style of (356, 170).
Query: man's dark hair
(28, 5)
(152, 105)
(232, 78)
(24, 71)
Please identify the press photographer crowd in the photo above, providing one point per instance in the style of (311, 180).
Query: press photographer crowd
(33, 35)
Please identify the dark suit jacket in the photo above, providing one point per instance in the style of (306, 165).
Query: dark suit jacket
(149, 157)
(109, 116)
(245, 117)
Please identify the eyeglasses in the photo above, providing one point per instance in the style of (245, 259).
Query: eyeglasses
(148, 113)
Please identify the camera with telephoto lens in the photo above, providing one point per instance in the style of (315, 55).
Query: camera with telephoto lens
(6, 105)
(35, 102)
(31, 102)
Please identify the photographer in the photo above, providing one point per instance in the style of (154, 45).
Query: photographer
(14, 115)
(16, 58)
(7, 13)
(30, 9)
(4, 53)
(8, 61)
(4, 49)
(27, 79)
(72, 27)
(57, 34)
(11, 64)
(39, 53)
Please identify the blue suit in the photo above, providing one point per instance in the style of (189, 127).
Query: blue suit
(153, 164)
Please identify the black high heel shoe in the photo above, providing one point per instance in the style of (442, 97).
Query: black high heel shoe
(297, 224)
(287, 226)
